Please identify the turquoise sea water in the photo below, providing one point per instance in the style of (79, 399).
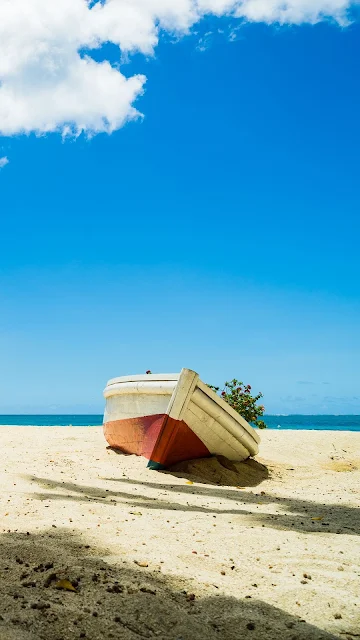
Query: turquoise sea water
(319, 423)
(53, 420)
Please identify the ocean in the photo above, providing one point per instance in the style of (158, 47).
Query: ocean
(317, 423)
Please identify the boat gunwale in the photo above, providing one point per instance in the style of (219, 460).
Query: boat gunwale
(149, 377)
(155, 388)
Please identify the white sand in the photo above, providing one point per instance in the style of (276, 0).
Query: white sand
(223, 561)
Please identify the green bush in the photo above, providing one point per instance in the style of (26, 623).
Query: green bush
(238, 396)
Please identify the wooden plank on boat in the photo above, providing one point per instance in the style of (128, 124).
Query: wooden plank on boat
(226, 407)
(183, 391)
(207, 429)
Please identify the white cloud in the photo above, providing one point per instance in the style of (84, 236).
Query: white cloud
(293, 11)
(47, 85)
(3, 161)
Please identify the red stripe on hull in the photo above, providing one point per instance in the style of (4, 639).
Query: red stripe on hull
(177, 442)
(135, 435)
(157, 438)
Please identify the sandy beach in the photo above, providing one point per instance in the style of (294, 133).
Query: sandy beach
(94, 545)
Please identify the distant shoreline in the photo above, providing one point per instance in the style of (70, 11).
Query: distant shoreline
(294, 422)
(266, 415)
(354, 429)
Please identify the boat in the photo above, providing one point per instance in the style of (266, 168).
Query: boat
(169, 418)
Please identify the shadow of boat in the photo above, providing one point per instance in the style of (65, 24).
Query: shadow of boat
(218, 470)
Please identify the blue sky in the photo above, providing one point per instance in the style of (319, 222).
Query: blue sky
(220, 232)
